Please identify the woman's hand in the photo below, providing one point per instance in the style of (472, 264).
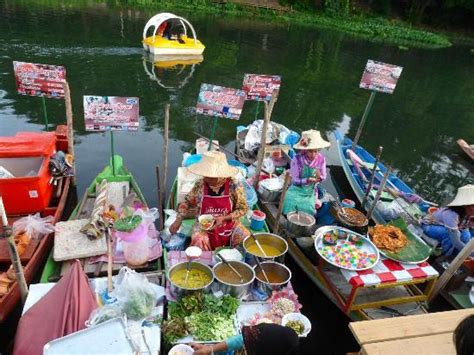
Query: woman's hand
(201, 349)
(312, 180)
(175, 225)
(219, 220)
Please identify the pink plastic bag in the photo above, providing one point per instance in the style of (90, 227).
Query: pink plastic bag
(34, 225)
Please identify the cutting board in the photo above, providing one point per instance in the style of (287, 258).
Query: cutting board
(70, 243)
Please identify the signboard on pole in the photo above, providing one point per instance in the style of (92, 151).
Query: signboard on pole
(380, 77)
(219, 101)
(261, 87)
(40, 79)
(114, 113)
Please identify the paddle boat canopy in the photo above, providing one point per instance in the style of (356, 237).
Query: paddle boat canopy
(163, 42)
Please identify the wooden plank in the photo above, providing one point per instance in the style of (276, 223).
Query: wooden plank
(432, 344)
(407, 327)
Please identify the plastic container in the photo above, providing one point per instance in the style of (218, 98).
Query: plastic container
(348, 203)
(298, 317)
(250, 194)
(257, 220)
(135, 245)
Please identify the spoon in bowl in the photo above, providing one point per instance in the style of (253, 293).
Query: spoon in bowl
(225, 261)
(263, 270)
(258, 245)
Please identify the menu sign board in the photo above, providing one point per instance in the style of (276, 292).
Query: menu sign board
(381, 77)
(111, 113)
(220, 101)
(39, 79)
(261, 87)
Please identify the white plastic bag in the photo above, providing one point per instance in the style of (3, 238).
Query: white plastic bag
(135, 294)
(268, 165)
(389, 210)
(34, 225)
(104, 313)
(148, 216)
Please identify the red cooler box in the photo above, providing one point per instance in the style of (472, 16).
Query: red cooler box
(24, 171)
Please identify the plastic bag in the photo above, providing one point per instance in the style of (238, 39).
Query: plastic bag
(389, 210)
(102, 314)
(135, 294)
(148, 216)
(268, 165)
(34, 226)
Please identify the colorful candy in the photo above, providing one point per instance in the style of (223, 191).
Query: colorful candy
(347, 253)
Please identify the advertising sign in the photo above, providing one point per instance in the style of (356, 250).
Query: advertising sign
(381, 77)
(39, 79)
(220, 101)
(261, 87)
(111, 113)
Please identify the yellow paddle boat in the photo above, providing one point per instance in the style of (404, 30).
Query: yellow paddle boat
(170, 36)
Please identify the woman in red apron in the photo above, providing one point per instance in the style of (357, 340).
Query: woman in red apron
(219, 195)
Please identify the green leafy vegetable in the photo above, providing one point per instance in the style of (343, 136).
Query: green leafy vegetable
(139, 304)
(127, 224)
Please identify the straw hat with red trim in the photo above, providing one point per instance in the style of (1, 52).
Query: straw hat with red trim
(311, 140)
(214, 165)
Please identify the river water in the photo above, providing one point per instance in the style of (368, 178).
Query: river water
(100, 47)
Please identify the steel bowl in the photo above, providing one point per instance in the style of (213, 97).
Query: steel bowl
(300, 224)
(235, 290)
(275, 268)
(179, 291)
(268, 195)
(265, 239)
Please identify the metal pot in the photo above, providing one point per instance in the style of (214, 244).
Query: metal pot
(300, 224)
(268, 195)
(235, 290)
(265, 239)
(276, 269)
(179, 291)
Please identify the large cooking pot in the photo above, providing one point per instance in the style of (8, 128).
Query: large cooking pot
(278, 270)
(179, 291)
(227, 286)
(300, 224)
(270, 239)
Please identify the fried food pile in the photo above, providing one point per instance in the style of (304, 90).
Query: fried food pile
(388, 237)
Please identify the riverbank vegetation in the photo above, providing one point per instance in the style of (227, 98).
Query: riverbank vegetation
(336, 14)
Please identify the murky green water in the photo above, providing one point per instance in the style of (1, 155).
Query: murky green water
(418, 125)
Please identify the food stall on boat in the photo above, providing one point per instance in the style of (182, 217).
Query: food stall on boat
(163, 43)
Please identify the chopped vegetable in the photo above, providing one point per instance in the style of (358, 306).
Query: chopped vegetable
(296, 325)
(283, 306)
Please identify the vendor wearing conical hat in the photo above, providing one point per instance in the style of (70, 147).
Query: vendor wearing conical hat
(308, 169)
(216, 194)
(453, 225)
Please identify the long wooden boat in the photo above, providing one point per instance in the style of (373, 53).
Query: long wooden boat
(411, 211)
(52, 269)
(468, 149)
(37, 252)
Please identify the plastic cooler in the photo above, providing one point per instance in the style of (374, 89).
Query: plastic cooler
(26, 156)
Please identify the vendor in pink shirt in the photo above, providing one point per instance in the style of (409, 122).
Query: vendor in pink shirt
(308, 169)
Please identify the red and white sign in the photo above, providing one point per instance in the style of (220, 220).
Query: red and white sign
(219, 101)
(381, 77)
(114, 113)
(261, 87)
(39, 79)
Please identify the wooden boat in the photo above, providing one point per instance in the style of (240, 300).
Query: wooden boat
(468, 149)
(159, 45)
(358, 174)
(53, 270)
(37, 251)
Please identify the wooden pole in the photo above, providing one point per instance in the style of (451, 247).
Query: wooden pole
(364, 118)
(15, 258)
(452, 268)
(45, 113)
(165, 153)
(379, 192)
(160, 197)
(268, 108)
(372, 177)
(110, 260)
(282, 200)
(70, 127)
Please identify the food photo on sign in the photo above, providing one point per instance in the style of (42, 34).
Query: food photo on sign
(261, 87)
(111, 113)
(39, 79)
(220, 101)
(380, 76)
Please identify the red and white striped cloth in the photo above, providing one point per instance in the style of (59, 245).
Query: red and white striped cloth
(387, 271)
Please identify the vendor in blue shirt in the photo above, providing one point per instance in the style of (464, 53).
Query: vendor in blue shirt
(255, 340)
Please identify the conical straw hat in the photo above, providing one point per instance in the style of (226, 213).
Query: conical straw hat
(214, 165)
(311, 140)
(464, 196)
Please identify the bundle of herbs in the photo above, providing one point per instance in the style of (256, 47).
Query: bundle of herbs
(205, 317)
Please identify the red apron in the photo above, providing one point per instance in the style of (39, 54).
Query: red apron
(218, 206)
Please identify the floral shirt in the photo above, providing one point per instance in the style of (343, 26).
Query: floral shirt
(191, 205)
(298, 163)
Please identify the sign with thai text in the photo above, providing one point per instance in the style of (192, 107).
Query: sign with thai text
(39, 79)
(261, 87)
(103, 113)
(220, 101)
(381, 77)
